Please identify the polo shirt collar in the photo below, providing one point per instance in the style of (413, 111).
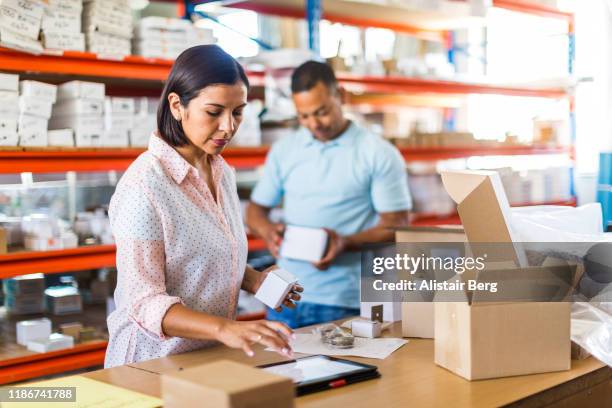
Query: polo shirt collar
(345, 139)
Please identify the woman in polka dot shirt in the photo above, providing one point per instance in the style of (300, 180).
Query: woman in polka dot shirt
(181, 243)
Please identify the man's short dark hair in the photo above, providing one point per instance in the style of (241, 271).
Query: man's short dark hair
(309, 74)
(195, 69)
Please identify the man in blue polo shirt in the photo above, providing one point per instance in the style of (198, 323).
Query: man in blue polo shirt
(335, 175)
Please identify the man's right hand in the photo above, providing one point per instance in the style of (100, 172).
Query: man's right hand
(273, 237)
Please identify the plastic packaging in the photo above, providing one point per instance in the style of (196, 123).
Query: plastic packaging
(592, 329)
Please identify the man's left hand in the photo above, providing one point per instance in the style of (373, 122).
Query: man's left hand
(336, 244)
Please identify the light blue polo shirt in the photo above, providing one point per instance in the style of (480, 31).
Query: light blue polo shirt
(342, 185)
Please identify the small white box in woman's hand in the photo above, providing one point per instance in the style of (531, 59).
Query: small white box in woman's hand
(275, 288)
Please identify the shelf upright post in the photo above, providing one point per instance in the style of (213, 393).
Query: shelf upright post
(313, 15)
(450, 114)
(571, 34)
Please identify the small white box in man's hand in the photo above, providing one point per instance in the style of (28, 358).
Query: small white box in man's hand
(275, 288)
(303, 243)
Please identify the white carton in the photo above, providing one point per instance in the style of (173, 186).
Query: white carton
(303, 243)
(29, 105)
(54, 342)
(28, 330)
(38, 90)
(82, 122)
(275, 288)
(119, 121)
(115, 138)
(33, 138)
(61, 138)
(22, 17)
(366, 328)
(88, 137)
(392, 311)
(69, 6)
(61, 21)
(9, 82)
(9, 138)
(8, 125)
(28, 123)
(9, 105)
(55, 40)
(11, 39)
(119, 105)
(73, 107)
(81, 89)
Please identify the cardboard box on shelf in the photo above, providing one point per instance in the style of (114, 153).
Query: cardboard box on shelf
(29, 105)
(68, 6)
(34, 138)
(9, 82)
(80, 106)
(226, 384)
(8, 126)
(71, 329)
(11, 39)
(9, 105)
(3, 235)
(24, 304)
(115, 138)
(303, 243)
(118, 121)
(61, 21)
(92, 123)
(275, 288)
(54, 342)
(9, 139)
(33, 283)
(87, 333)
(81, 89)
(28, 330)
(90, 137)
(118, 105)
(62, 300)
(22, 17)
(55, 40)
(61, 138)
(38, 90)
(28, 124)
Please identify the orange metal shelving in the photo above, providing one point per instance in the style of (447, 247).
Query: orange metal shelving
(34, 365)
(70, 260)
(52, 160)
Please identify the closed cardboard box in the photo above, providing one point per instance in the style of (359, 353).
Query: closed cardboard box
(226, 384)
(3, 241)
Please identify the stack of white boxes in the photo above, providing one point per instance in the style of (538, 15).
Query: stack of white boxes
(80, 107)
(61, 26)
(36, 100)
(108, 26)
(118, 121)
(9, 109)
(166, 38)
(145, 121)
(20, 22)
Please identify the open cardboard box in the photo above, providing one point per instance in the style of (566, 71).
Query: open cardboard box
(477, 338)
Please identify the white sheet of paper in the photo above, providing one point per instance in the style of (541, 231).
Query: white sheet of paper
(306, 343)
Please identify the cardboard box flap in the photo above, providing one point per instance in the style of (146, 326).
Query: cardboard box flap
(484, 210)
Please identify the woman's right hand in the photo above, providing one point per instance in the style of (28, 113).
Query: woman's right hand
(244, 334)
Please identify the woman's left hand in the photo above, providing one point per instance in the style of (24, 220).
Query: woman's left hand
(293, 295)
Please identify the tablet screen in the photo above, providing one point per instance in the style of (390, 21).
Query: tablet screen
(312, 369)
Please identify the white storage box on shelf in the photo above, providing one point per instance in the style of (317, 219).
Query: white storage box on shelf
(54, 342)
(81, 89)
(28, 330)
(61, 138)
(38, 89)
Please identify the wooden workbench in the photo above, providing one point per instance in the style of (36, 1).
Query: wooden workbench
(409, 378)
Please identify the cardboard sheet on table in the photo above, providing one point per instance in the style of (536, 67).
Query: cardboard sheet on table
(90, 393)
(306, 343)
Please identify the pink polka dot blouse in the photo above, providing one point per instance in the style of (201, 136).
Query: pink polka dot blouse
(175, 243)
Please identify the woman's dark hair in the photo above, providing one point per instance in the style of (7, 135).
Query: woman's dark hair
(195, 69)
